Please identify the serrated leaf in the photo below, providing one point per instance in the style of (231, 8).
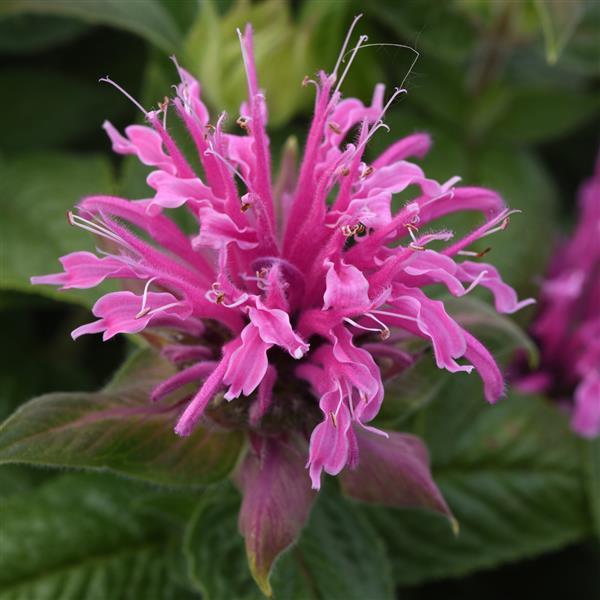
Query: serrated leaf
(338, 557)
(117, 429)
(148, 19)
(81, 536)
(36, 191)
(512, 475)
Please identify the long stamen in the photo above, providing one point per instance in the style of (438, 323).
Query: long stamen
(95, 228)
(386, 313)
(361, 40)
(145, 310)
(232, 169)
(161, 308)
(476, 281)
(126, 94)
(385, 331)
(355, 324)
(500, 227)
(357, 18)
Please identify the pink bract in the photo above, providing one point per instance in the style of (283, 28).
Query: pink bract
(290, 293)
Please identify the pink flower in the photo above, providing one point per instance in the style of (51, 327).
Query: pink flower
(291, 295)
(567, 327)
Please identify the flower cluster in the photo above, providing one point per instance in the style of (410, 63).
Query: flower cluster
(291, 303)
(567, 327)
(301, 287)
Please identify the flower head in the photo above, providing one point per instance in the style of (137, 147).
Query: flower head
(567, 327)
(290, 304)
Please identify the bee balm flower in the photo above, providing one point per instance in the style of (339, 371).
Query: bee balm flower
(286, 303)
(568, 325)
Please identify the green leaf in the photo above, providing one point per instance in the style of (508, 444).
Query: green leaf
(82, 536)
(36, 191)
(438, 28)
(534, 115)
(559, 21)
(512, 475)
(148, 19)
(522, 251)
(339, 555)
(27, 34)
(592, 449)
(224, 574)
(498, 332)
(119, 430)
(411, 391)
(87, 109)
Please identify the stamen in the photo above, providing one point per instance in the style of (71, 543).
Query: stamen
(475, 254)
(385, 331)
(145, 310)
(333, 419)
(500, 227)
(163, 106)
(366, 172)
(243, 123)
(361, 40)
(355, 324)
(476, 281)
(215, 294)
(334, 127)
(95, 228)
(232, 169)
(357, 18)
(411, 228)
(386, 313)
(161, 308)
(107, 79)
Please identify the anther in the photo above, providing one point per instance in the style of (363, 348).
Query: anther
(164, 104)
(474, 254)
(416, 246)
(333, 418)
(366, 172)
(243, 123)
(144, 310)
(334, 127)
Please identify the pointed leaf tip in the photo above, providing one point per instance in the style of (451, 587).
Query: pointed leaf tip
(277, 499)
(394, 472)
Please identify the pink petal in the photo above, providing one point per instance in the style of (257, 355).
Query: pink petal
(274, 327)
(586, 416)
(346, 288)
(483, 361)
(85, 270)
(217, 230)
(142, 141)
(505, 297)
(248, 364)
(124, 312)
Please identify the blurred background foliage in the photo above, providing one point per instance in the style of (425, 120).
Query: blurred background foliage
(509, 90)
